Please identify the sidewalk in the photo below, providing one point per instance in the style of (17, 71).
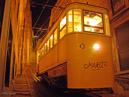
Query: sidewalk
(23, 86)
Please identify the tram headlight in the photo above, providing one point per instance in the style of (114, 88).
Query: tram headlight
(96, 46)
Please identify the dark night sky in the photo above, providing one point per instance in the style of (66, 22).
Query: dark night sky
(37, 6)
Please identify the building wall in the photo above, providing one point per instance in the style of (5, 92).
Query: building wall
(119, 17)
(16, 19)
(28, 34)
(4, 43)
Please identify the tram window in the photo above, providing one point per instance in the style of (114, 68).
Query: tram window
(77, 20)
(70, 21)
(51, 41)
(43, 51)
(55, 36)
(62, 32)
(93, 22)
(38, 52)
(91, 29)
(63, 22)
(107, 27)
(38, 55)
(45, 48)
(63, 27)
(47, 45)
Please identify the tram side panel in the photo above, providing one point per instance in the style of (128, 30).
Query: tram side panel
(44, 63)
(62, 50)
(55, 61)
(48, 61)
(86, 67)
(60, 69)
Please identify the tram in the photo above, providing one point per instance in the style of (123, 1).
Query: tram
(77, 51)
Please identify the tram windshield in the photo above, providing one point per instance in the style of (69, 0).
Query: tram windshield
(77, 20)
(74, 21)
(93, 21)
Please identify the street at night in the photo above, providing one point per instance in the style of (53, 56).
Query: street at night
(64, 48)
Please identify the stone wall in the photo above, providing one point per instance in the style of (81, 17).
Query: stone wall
(17, 17)
(121, 88)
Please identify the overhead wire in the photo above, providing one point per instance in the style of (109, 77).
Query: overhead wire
(41, 13)
(46, 26)
(43, 25)
(50, 6)
(47, 18)
(39, 17)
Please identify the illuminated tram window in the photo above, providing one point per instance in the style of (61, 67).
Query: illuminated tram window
(47, 45)
(42, 51)
(51, 41)
(45, 48)
(55, 36)
(107, 26)
(70, 21)
(63, 22)
(63, 32)
(77, 20)
(93, 22)
(91, 29)
(63, 27)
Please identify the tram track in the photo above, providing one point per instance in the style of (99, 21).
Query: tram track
(45, 89)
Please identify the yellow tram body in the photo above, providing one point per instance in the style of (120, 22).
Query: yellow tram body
(78, 48)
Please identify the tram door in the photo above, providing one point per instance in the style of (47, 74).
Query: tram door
(122, 37)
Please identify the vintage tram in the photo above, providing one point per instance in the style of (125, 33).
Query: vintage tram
(77, 51)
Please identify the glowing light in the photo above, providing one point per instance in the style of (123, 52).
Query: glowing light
(70, 18)
(63, 22)
(51, 37)
(79, 28)
(92, 29)
(92, 22)
(96, 46)
(38, 53)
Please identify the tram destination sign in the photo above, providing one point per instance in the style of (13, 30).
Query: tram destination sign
(96, 65)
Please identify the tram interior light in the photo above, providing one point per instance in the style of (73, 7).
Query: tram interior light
(94, 21)
(70, 18)
(79, 28)
(51, 37)
(63, 22)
